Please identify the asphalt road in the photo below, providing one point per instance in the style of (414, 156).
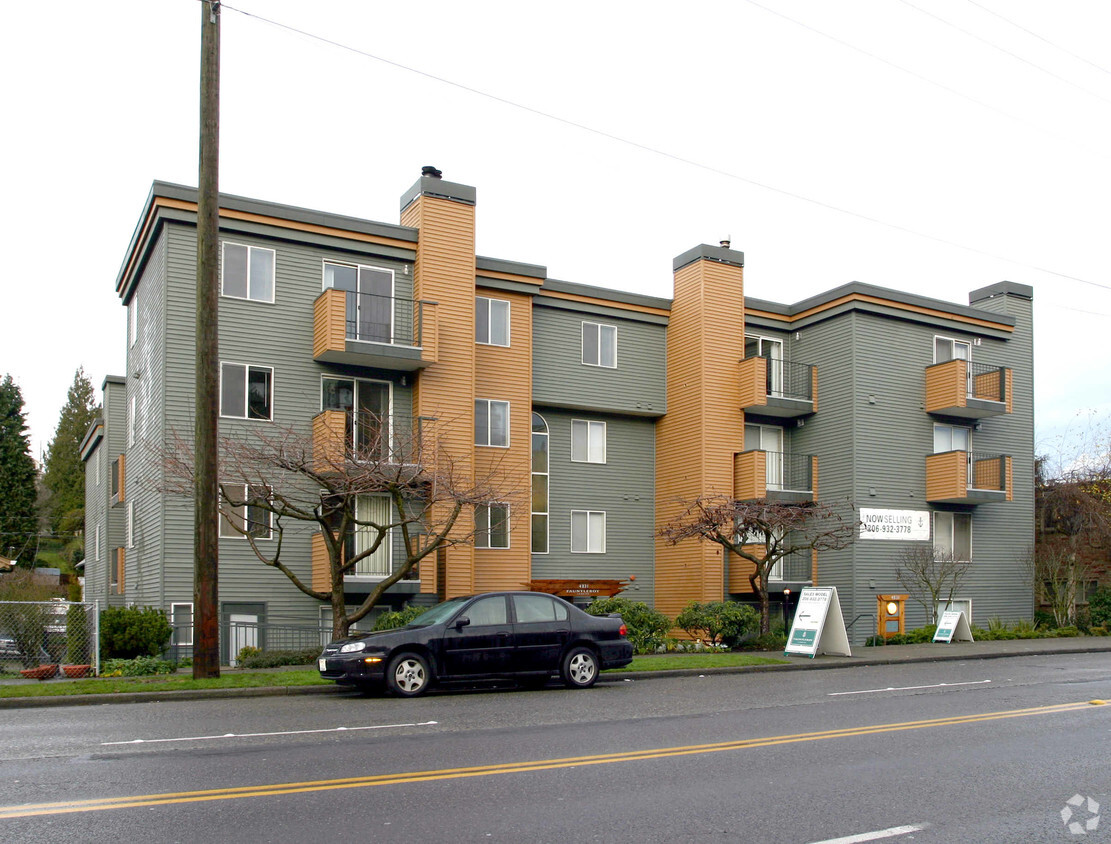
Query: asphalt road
(977, 751)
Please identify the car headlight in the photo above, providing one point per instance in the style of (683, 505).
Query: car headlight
(353, 647)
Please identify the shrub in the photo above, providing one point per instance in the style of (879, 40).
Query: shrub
(246, 652)
(647, 628)
(77, 636)
(128, 632)
(140, 666)
(274, 659)
(718, 622)
(1099, 607)
(397, 618)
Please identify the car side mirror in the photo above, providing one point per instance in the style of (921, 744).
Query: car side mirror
(461, 622)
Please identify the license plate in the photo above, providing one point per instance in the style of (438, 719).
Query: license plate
(322, 664)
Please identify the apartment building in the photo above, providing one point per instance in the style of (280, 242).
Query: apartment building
(611, 408)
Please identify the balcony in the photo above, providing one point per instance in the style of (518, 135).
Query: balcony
(779, 389)
(385, 332)
(366, 576)
(774, 475)
(967, 477)
(968, 390)
(342, 435)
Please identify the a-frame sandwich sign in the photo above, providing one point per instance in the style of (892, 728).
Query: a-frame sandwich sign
(819, 626)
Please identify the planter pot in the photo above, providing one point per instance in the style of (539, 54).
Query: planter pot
(76, 672)
(43, 672)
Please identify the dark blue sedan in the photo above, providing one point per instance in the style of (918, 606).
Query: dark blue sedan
(528, 636)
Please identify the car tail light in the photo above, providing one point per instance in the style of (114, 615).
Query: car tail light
(623, 630)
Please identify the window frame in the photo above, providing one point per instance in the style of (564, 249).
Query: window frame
(383, 557)
(590, 515)
(598, 326)
(174, 626)
(130, 524)
(489, 416)
(535, 476)
(590, 429)
(245, 516)
(489, 307)
(483, 534)
(953, 343)
(386, 442)
(131, 409)
(247, 367)
(952, 518)
(224, 244)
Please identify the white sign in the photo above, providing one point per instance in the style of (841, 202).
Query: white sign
(953, 625)
(894, 524)
(818, 626)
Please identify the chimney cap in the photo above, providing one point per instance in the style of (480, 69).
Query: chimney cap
(431, 172)
(726, 242)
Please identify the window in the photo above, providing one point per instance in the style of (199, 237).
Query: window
(367, 408)
(588, 441)
(538, 609)
(491, 522)
(491, 321)
(130, 524)
(953, 536)
(599, 345)
(241, 513)
(952, 438)
(772, 350)
(588, 532)
(131, 422)
(487, 611)
(132, 320)
(369, 311)
(248, 272)
(181, 619)
(491, 423)
(539, 485)
(373, 512)
(946, 348)
(246, 392)
(769, 439)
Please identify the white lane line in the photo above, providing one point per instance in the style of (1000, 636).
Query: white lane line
(908, 688)
(879, 834)
(263, 735)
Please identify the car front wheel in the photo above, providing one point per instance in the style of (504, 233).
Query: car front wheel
(580, 668)
(408, 675)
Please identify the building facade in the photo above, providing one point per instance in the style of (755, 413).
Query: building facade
(606, 408)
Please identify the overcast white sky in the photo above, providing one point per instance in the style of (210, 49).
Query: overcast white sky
(982, 149)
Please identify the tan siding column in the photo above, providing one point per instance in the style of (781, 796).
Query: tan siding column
(704, 425)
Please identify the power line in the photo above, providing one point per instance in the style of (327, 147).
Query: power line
(679, 158)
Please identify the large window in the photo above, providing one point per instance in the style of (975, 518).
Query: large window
(246, 392)
(242, 514)
(370, 303)
(491, 321)
(599, 344)
(491, 523)
(248, 272)
(374, 512)
(367, 408)
(491, 423)
(588, 532)
(539, 485)
(946, 349)
(952, 438)
(953, 536)
(588, 441)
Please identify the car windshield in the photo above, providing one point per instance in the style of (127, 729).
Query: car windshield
(438, 613)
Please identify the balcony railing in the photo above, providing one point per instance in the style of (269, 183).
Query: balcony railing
(779, 388)
(967, 477)
(968, 390)
(364, 328)
(774, 474)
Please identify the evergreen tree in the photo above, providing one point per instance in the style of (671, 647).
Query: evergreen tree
(18, 515)
(64, 473)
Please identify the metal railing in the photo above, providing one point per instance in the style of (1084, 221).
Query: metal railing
(787, 472)
(373, 318)
(988, 383)
(789, 380)
(987, 471)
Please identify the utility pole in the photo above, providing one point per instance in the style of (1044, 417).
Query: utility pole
(206, 515)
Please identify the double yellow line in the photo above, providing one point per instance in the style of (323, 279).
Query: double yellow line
(145, 800)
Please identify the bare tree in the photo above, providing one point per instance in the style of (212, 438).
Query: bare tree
(1059, 579)
(282, 483)
(930, 576)
(763, 532)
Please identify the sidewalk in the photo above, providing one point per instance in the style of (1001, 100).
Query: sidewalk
(861, 656)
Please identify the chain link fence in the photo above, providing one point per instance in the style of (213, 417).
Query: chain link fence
(42, 639)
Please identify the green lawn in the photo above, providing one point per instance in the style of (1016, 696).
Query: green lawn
(667, 662)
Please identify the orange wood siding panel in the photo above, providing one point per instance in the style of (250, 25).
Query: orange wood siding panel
(946, 385)
(741, 569)
(946, 475)
(444, 272)
(123, 475)
(504, 373)
(329, 322)
(814, 476)
(428, 331)
(121, 568)
(704, 426)
(750, 474)
(321, 570)
(814, 392)
(754, 382)
(328, 439)
(1010, 390)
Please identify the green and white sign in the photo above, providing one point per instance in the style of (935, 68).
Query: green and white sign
(953, 627)
(819, 626)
